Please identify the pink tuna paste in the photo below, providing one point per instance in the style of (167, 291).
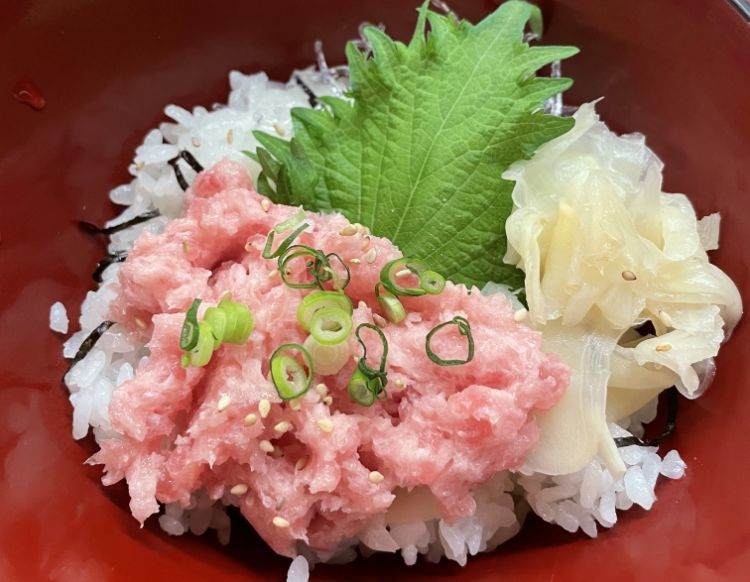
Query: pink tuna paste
(443, 429)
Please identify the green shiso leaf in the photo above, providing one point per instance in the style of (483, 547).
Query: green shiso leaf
(417, 154)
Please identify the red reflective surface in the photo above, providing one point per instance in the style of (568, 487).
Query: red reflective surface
(679, 71)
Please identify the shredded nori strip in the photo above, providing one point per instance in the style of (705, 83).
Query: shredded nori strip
(89, 342)
(93, 229)
(669, 426)
(191, 161)
(312, 98)
(111, 258)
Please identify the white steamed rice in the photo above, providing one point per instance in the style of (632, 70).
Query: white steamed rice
(577, 501)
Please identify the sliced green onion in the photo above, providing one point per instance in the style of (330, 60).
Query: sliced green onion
(217, 319)
(432, 282)
(331, 326)
(359, 389)
(288, 375)
(290, 222)
(464, 328)
(392, 308)
(393, 270)
(373, 379)
(201, 354)
(328, 273)
(328, 360)
(239, 321)
(283, 246)
(189, 332)
(311, 266)
(320, 300)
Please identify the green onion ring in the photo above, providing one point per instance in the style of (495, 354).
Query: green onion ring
(189, 331)
(295, 252)
(283, 246)
(318, 300)
(390, 304)
(464, 328)
(359, 389)
(432, 282)
(331, 326)
(201, 354)
(283, 366)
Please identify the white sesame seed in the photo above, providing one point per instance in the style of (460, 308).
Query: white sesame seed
(140, 323)
(250, 419)
(265, 204)
(295, 404)
(239, 489)
(399, 384)
(282, 427)
(301, 463)
(321, 389)
(325, 424)
(272, 274)
(224, 401)
(264, 407)
(328, 400)
(371, 255)
(355, 261)
(348, 230)
(379, 320)
(196, 142)
(230, 136)
(663, 347)
(628, 275)
(366, 242)
(279, 130)
(266, 446)
(280, 522)
(665, 318)
(403, 273)
(376, 477)
(519, 315)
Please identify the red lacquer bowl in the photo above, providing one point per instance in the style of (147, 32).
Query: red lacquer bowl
(676, 70)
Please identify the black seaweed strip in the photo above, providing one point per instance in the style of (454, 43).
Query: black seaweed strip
(93, 229)
(192, 162)
(669, 426)
(312, 98)
(178, 173)
(117, 257)
(89, 342)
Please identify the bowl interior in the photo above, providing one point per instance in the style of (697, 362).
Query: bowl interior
(674, 70)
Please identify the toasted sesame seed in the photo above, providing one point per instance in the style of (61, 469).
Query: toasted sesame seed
(239, 489)
(325, 424)
(348, 230)
(366, 242)
(266, 446)
(321, 389)
(140, 323)
(140, 166)
(224, 401)
(264, 407)
(663, 347)
(665, 318)
(355, 261)
(279, 130)
(371, 255)
(250, 419)
(265, 204)
(376, 477)
(328, 400)
(280, 522)
(230, 136)
(295, 404)
(196, 142)
(399, 384)
(519, 315)
(301, 463)
(248, 246)
(282, 427)
(628, 275)
(403, 273)
(272, 274)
